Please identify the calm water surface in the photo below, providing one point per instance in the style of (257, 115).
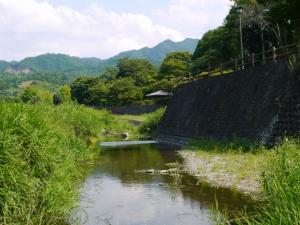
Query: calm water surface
(115, 193)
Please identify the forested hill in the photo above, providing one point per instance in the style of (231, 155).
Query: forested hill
(67, 64)
(158, 52)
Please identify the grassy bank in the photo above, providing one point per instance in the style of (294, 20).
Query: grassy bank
(235, 164)
(277, 171)
(151, 122)
(281, 188)
(43, 155)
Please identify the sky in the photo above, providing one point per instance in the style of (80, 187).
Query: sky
(101, 28)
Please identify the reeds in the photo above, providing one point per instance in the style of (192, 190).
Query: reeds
(281, 187)
(43, 151)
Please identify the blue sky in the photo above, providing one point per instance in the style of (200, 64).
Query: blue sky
(101, 28)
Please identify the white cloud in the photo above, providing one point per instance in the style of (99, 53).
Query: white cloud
(194, 17)
(32, 27)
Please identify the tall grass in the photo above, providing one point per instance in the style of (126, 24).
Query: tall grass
(280, 203)
(281, 187)
(151, 122)
(43, 150)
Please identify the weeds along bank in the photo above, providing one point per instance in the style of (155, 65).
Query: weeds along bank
(277, 170)
(43, 153)
(281, 188)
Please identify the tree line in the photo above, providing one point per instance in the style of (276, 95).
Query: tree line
(265, 24)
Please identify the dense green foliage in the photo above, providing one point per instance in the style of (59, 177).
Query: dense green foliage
(140, 70)
(35, 95)
(43, 153)
(151, 122)
(94, 92)
(216, 46)
(265, 23)
(59, 69)
(176, 64)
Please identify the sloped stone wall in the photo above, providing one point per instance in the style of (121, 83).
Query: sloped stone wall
(259, 104)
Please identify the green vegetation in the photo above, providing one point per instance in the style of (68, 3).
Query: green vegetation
(236, 164)
(176, 64)
(276, 169)
(131, 80)
(151, 122)
(140, 70)
(281, 188)
(266, 23)
(44, 151)
(59, 69)
(126, 84)
(32, 94)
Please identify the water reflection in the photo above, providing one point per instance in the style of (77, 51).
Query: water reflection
(115, 194)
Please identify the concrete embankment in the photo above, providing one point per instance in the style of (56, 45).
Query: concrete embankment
(259, 104)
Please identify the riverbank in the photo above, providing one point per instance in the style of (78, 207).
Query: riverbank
(236, 164)
(269, 175)
(241, 172)
(45, 152)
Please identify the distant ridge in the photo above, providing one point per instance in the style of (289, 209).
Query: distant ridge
(60, 63)
(158, 52)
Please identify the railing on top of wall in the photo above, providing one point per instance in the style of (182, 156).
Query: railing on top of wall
(272, 55)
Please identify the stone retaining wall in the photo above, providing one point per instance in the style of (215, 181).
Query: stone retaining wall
(260, 104)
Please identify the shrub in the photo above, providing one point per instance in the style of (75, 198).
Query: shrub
(57, 99)
(150, 125)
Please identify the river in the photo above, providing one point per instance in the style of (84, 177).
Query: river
(119, 192)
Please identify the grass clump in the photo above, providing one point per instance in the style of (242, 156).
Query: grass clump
(223, 146)
(42, 153)
(280, 192)
(281, 188)
(151, 122)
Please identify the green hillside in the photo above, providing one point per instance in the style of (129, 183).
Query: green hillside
(158, 52)
(60, 63)
(3, 65)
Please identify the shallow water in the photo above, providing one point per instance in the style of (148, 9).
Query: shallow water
(115, 193)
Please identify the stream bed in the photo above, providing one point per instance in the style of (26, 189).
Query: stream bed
(116, 192)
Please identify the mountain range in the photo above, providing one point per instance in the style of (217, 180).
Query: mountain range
(60, 63)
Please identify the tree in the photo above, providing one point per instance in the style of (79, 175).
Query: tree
(176, 64)
(284, 14)
(98, 94)
(123, 91)
(216, 46)
(109, 74)
(140, 70)
(80, 89)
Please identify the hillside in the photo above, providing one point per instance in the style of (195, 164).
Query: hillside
(60, 63)
(158, 52)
